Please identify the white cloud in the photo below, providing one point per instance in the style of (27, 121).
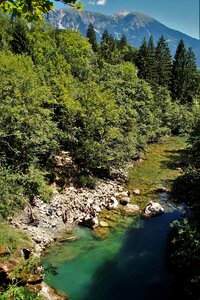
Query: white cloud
(98, 2)
(101, 2)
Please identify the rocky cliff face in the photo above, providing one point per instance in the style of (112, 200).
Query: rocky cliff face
(134, 25)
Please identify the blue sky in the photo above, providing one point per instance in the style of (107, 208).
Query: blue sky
(181, 15)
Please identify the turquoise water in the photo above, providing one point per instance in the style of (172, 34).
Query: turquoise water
(130, 264)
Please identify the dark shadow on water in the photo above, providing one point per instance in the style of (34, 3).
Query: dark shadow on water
(139, 270)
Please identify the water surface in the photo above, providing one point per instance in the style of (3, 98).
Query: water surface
(131, 264)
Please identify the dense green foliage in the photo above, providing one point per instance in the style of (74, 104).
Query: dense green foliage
(60, 91)
(19, 293)
(32, 9)
(101, 103)
(185, 255)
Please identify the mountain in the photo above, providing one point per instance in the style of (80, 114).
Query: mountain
(134, 25)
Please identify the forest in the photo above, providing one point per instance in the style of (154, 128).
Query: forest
(103, 103)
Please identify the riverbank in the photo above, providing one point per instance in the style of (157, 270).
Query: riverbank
(66, 210)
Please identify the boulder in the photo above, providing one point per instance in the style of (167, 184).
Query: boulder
(125, 200)
(90, 221)
(113, 203)
(153, 209)
(131, 208)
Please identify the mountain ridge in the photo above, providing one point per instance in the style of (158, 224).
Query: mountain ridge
(133, 24)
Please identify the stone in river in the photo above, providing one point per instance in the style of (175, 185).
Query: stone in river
(131, 208)
(153, 209)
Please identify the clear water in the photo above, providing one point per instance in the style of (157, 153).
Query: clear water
(131, 264)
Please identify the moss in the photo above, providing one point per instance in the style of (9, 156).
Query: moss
(160, 167)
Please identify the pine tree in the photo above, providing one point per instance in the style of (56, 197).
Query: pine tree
(145, 61)
(91, 35)
(122, 43)
(163, 62)
(109, 50)
(141, 60)
(151, 62)
(183, 74)
(20, 42)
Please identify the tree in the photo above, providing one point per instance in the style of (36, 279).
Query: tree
(141, 60)
(32, 9)
(184, 73)
(151, 62)
(122, 43)
(163, 63)
(91, 35)
(20, 42)
(109, 49)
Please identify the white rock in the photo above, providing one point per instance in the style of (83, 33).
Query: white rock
(137, 192)
(113, 203)
(153, 209)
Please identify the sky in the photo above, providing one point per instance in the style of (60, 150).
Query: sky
(182, 15)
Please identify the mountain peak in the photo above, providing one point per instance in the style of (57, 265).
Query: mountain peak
(123, 13)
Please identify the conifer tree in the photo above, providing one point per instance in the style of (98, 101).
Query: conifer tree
(122, 43)
(163, 62)
(109, 50)
(151, 62)
(91, 35)
(141, 60)
(183, 74)
(20, 42)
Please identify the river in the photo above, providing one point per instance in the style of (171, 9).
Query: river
(131, 263)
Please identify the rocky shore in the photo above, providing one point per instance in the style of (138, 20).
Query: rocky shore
(44, 221)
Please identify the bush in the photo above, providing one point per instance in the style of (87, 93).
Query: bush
(11, 193)
(18, 293)
(185, 254)
(84, 180)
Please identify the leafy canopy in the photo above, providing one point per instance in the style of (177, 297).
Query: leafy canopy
(32, 9)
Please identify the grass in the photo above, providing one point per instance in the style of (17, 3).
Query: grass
(13, 239)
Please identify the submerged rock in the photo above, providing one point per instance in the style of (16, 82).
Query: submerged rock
(103, 224)
(131, 208)
(153, 209)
